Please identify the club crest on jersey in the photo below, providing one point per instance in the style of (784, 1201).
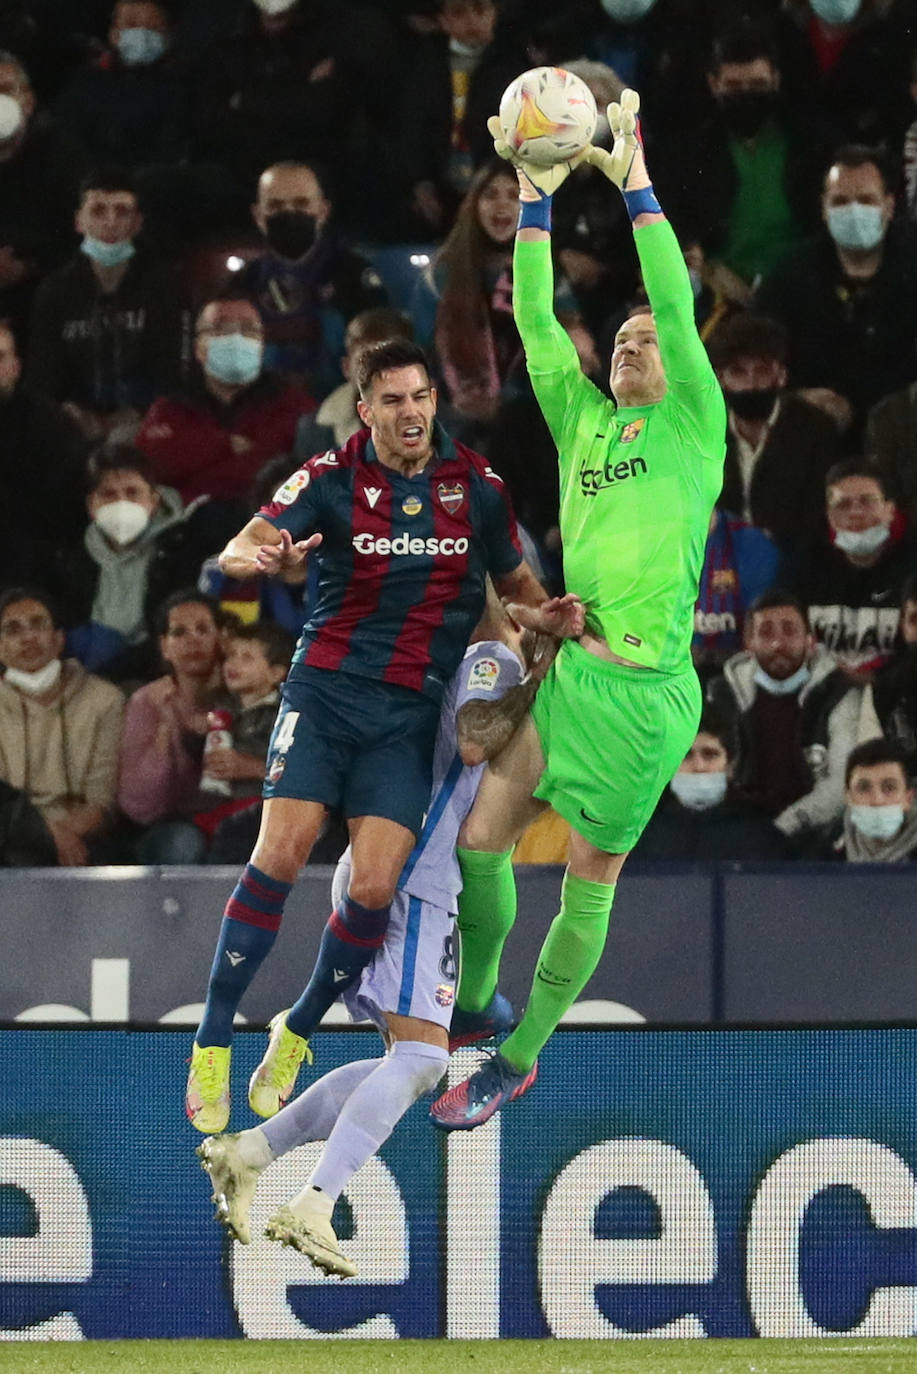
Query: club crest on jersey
(724, 580)
(451, 496)
(630, 432)
(287, 494)
(484, 674)
(275, 772)
(444, 995)
(412, 505)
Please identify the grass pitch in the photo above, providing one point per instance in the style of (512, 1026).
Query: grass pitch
(839, 1356)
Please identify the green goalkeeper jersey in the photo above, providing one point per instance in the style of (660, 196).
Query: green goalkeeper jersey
(637, 483)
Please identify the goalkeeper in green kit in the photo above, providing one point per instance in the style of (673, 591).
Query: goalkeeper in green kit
(619, 708)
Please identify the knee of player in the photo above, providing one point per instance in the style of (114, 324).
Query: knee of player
(370, 890)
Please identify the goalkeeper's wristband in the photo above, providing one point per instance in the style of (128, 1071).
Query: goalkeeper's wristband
(535, 214)
(642, 202)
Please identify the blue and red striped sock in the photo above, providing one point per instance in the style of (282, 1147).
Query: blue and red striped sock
(250, 925)
(349, 941)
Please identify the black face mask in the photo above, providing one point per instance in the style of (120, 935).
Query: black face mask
(290, 233)
(745, 112)
(756, 404)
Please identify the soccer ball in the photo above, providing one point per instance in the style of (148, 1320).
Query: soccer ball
(547, 115)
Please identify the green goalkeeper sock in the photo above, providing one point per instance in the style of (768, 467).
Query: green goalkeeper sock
(568, 959)
(487, 910)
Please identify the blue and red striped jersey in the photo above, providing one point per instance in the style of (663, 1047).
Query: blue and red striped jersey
(402, 560)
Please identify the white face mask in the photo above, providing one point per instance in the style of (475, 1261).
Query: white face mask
(35, 683)
(122, 521)
(699, 791)
(10, 117)
(782, 687)
(877, 822)
(861, 541)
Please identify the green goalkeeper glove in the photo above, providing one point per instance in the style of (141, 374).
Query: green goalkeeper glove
(624, 165)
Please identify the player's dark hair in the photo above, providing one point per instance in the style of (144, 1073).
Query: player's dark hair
(385, 357)
(278, 643)
(856, 466)
(714, 721)
(187, 596)
(742, 42)
(747, 336)
(118, 458)
(873, 751)
(29, 593)
(778, 596)
(108, 178)
(861, 155)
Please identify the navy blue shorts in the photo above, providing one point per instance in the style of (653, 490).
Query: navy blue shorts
(362, 746)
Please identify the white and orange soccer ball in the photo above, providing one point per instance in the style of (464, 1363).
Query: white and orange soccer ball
(547, 115)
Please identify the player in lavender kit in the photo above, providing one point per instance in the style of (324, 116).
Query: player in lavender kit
(408, 523)
(408, 989)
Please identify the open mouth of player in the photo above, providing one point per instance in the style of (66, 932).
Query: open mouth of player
(412, 435)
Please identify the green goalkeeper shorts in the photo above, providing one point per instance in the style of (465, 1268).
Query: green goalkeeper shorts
(613, 737)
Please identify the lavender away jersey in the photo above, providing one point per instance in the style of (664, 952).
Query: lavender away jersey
(402, 559)
(432, 873)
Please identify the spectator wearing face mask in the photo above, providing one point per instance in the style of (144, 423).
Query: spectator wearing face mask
(778, 445)
(105, 335)
(40, 170)
(741, 180)
(795, 714)
(59, 729)
(211, 438)
(657, 47)
(699, 817)
(833, 47)
(879, 823)
(308, 284)
(140, 545)
(127, 106)
(849, 300)
(304, 79)
(851, 579)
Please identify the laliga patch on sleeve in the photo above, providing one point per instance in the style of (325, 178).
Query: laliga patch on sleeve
(287, 494)
(484, 674)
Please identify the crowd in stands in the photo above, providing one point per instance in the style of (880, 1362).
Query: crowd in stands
(208, 207)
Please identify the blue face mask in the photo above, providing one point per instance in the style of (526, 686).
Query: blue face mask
(877, 822)
(856, 225)
(699, 791)
(107, 254)
(627, 11)
(782, 687)
(234, 358)
(835, 11)
(862, 542)
(140, 47)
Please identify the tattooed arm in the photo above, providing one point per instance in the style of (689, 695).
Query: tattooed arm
(485, 727)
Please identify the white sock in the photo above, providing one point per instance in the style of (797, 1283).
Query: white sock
(372, 1110)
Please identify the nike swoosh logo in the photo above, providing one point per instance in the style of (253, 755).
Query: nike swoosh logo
(591, 819)
(235, 958)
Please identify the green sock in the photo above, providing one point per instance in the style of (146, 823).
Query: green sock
(487, 910)
(568, 959)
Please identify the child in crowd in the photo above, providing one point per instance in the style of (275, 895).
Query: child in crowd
(257, 661)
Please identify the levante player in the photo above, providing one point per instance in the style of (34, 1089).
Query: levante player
(408, 524)
(618, 710)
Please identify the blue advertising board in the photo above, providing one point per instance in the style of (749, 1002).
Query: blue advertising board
(682, 1183)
